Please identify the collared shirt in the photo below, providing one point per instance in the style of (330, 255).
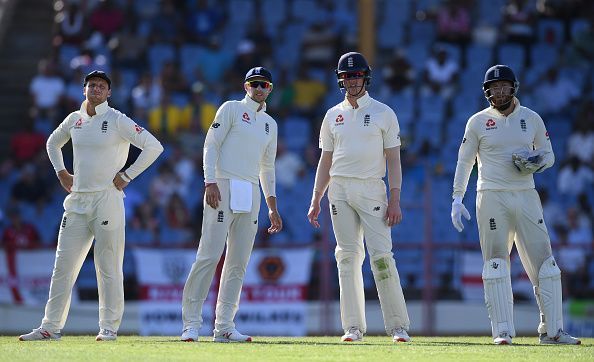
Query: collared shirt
(358, 136)
(241, 144)
(492, 138)
(100, 145)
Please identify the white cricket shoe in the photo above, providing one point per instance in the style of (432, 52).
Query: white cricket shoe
(503, 339)
(400, 335)
(562, 337)
(352, 335)
(106, 335)
(190, 335)
(231, 336)
(40, 334)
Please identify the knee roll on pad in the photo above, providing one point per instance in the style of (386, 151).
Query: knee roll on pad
(549, 296)
(348, 261)
(498, 296)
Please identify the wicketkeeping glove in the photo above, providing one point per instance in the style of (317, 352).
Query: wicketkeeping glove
(459, 210)
(528, 162)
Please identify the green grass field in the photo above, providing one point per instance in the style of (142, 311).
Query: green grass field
(435, 349)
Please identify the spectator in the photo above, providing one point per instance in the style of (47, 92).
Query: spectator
(519, 19)
(574, 178)
(47, 89)
(70, 25)
(319, 45)
(167, 119)
(555, 92)
(107, 19)
(177, 213)
(579, 228)
(581, 142)
(441, 74)
(552, 212)
(165, 184)
(203, 22)
(168, 25)
(19, 234)
(289, 166)
(453, 23)
(309, 93)
(26, 143)
(399, 75)
(29, 188)
(145, 95)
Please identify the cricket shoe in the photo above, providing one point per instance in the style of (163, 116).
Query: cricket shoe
(503, 339)
(106, 335)
(400, 335)
(40, 334)
(231, 336)
(352, 335)
(562, 337)
(190, 335)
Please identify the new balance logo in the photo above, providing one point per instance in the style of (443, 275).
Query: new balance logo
(220, 216)
(104, 127)
(104, 222)
(255, 222)
(492, 224)
(540, 221)
(45, 334)
(495, 265)
(377, 208)
(334, 211)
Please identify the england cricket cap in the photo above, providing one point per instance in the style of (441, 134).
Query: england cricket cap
(98, 74)
(259, 72)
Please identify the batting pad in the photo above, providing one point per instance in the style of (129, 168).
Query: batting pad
(498, 297)
(549, 297)
(389, 290)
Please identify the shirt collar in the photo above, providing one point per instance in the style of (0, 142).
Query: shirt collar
(252, 104)
(361, 102)
(100, 109)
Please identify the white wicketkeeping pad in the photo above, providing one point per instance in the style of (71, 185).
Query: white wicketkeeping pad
(241, 196)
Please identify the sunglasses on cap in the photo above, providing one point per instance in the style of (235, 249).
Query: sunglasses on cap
(259, 83)
(351, 75)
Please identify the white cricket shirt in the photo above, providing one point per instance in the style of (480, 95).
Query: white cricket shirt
(357, 137)
(241, 144)
(491, 138)
(100, 146)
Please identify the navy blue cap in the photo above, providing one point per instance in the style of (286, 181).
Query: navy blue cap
(97, 74)
(260, 72)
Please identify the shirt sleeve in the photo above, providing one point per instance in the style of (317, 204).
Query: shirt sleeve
(326, 142)
(59, 137)
(141, 138)
(391, 133)
(542, 142)
(215, 136)
(466, 159)
(267, 173)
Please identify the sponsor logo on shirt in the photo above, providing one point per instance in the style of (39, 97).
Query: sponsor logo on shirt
(491, 124)
(464, 140)
(339, 120)
(267, 128)
(138, 129)
(104, 127)
(547, 135)
(78, 124)
(366, 120)
(492, 224)
(246, 118)
(215, 125)
(523, 125)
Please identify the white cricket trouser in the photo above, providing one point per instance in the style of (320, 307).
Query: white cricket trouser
(505, 216)
(89, 215)
(357, 209)
(238, 231)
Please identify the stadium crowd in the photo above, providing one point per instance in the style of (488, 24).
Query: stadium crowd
(173, 62)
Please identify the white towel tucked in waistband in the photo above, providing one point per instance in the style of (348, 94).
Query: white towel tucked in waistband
(241, 196)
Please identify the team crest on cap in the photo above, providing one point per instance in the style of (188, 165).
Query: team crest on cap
(350, 62)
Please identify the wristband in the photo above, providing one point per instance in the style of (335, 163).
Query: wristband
(125, 177)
